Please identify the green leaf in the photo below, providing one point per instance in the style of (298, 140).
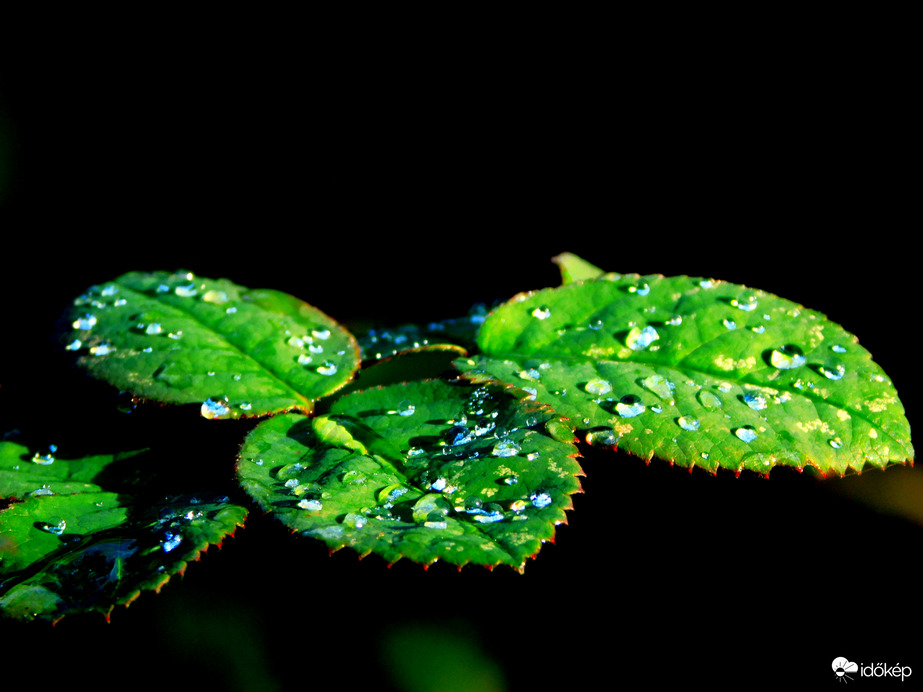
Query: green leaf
(181, 339)
(79, 543)
(574, 268)
(434, 470)
(698, 372)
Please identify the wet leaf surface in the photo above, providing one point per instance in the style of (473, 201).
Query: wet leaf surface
(77, 539)
(183, 339)
(428, 471)
(698, 372)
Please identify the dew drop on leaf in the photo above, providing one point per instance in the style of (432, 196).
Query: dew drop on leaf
(638, 339)
(186, 291)
(86, 322)
(833, 372)
(746, 433)
(659, 385)
(542, 312)
(598, 386)
(688, 423)
(328, 368)
(787, 357)
(630, 406)
(215, 408)
(755, 401)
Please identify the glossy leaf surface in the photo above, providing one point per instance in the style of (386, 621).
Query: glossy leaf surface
(77, 542)
(178, 338)
(428, 471)
(698, 372)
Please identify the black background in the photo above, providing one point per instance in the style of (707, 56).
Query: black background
(391, 192)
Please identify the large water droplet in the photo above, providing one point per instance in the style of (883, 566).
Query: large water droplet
(659, 385)
(186, 291)
(787, 357)
(312, 504)
(630, 406)
(88, 321)
(328, 368)
(746, 433)
(540, 499)
(746, 302)
(756, 401)
(57, 528)
(688, 423)
(406, 408)
(642, 288)
(215, 408)
(215, 297)
(638, 339)
(710, 400)
(506, 448)
(598, 386)
(542, 312)
(833, 371)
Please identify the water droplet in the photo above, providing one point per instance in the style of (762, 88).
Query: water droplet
(245, 406)
(490, 514)
(506, 448)
(357, 521)
(88, 321)
(430, 507)
(642, 288)
(756, 401)
(295, 341)
(170, 541)
(304, 359)
(659, 385)
(178, 334)
(598, 386)
(836, 443)
(74, 345)
(838, 349)
(532, 374)
(710, 400)
(153, 328)
(322, 334)
(746, 433)
(730, 324)
(215, 408)
(638, 339)
(707, 283)
(675, 321)
(746, 302)
(833, 372)
(542, 312)
(602, 437)
(787, 357)
(518, 505)
(630, 406)
(57, 529)
(406, 408)
(704, 455)
(103, 349)
(215, 297)
(688, 423)
(186, 291)
(312, 505)
(328, 368)
(540, 499)
(45, 490)
(596, 324)
(43, 459)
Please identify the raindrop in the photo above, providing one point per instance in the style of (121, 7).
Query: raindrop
(74, 345)
(710, 400)
(601, 437)
(532, 374)
(746, 303)
(322, 334)
(215, 297)
(493, 513)
(756, 401)
(357, 521)
(215, 408)
(638, 339)
(730, 324)
(598, 386)
(836, 443)
(295, 341)
(675, 321)
(630, 406)
(186, 291)
(88, 321)
(746, 433)
(506, 448)
(109, 290)
(103, 349)
(245, 406)
(406, 408)
(540, 499)
(838, 349)
(659, 385)
(43, 459)
(787, 357)
(153, 328)
(57, 529)
(304, 359)
(328, 368)
(642, 288)
(688, 423)
(833, 372)
(596, 324)
(542, 312)
(707, 283)
(311, 504)
(171, 540)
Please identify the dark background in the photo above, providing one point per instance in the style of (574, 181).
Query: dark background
(393, 193)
